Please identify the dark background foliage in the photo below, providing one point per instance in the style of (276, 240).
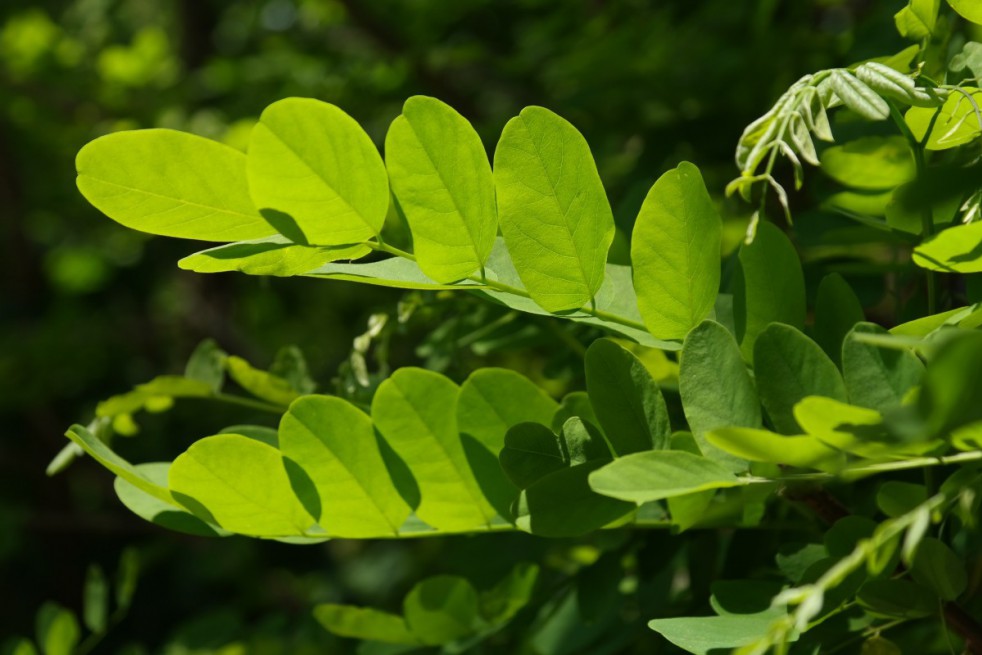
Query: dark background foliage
(88, 308)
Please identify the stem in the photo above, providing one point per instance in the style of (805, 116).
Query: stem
(515, 291)
(927, 217)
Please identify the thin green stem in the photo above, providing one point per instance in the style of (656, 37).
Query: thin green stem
(927, 217)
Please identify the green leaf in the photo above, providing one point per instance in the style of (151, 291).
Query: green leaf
(242, 484)
(657, 474)
(769, 286)
(877, 378)
(492, 401)
(967, 9)
(955, 250)
(101, 453)
(858, 97)
(956, 123)
(879, 645)
(155, 395)
(553, 209)
(15, 646)
(627, 401)
(837, 309)
(364, 623)
(794, 560)
(950, 395)
(415, 410)
(870, 163)
(895, 498)
(336, 443)
(675, 249)
(275, 255)
(789, 366)
(937, 567)
(716, 388)
(172, 184)
(395, 272)
(583, 442)
(314, 172)
(95, 599)
(687, 510)
(531, 451)
(290, 365)
(442, 609)
(766, 446)
(740, 597)
(561, 504)
(158, 512)
(969, 58)
(703, 635)
(916, 21)
(57, 630)
(127, 575)
(441, 177)
(261, 384)
(513, 592)
(207, 364)
(575, 403)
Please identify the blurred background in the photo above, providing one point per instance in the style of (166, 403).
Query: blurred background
(88, 308)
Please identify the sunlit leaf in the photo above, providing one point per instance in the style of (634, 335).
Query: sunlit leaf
(441, 177)
(553, 209)
(654, 475)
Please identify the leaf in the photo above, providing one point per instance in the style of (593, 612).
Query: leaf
(689, 509)
(766, 446)
(241, 483)
(967, 9)
(837, 310)
(415, 410)
(290, 365)
(954, 250)
(741, 597)
(969, 58)
(101, 453)
(769, 286)
(127, 575)
(575, 403)
(877, 378)
(364, 623)
(950, 396)
(172, 184)
(207, 364)
(716, 388)
(582, 442)
(937, 567)
(871, 163)
(531, 451)
(916, 21)
(336, 443)
(259, 383)
(794, 560)
(314, 170)
(155, 395)
(561, 504)
(879, 645)
(95, 599)
(858, 97)
(395, 272)
(895, 497)
(553, 209)
(627, 401)
(275, 255)
(156, 511)
(675, 249)
(657, 474)
(441, 177)
(956, 124)
(789, 366)
(703, 635)
(441, 609)
(491, 401)
(503, 601)
(57, 630)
